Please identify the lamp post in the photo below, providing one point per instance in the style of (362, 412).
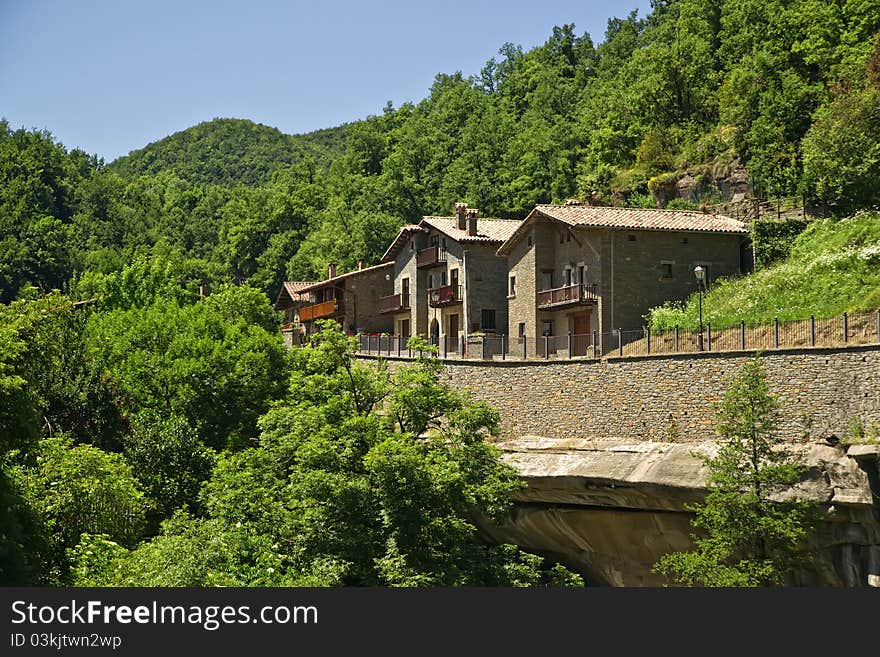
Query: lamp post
(700, 273)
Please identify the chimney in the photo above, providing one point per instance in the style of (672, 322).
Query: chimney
(461, 213)
(331, 270)
(472, 221)
(361, 263)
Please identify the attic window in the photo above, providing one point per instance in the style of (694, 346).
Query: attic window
(631, 238)
(684, 240)
(666, 269)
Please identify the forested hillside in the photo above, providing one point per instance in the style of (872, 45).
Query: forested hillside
(789, 89)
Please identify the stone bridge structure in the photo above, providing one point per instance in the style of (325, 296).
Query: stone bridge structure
(609, 451)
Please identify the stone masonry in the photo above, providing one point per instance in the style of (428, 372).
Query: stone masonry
(665, 398)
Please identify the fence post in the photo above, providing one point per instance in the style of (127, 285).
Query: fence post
(594, 341)
(399, 341)
(619, 341)
(648, 335)
(461, 351)
(742, 334)
(389, 345)
(569, 344)
(776, 333)
(845, 327)
(503, 348)
(708, 336)
(675, 347)
(483, 347)
(445, 347)
(546, 347)
(812, 331)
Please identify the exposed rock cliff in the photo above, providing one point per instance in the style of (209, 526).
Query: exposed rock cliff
(611, 509)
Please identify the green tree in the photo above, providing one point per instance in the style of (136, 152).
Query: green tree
(754, 530)
(339, 492)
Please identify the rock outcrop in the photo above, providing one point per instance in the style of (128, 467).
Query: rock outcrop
(611, 509)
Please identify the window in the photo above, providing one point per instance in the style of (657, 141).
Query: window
(566, 277)
(530, 240)
(443, 244)
(561, 237)
(547, 279)
(522, 329)
(547, 328)
(581, 272)
(568, 236)
(512, 286)
(488, 319)
(443, 278)
(434, 240)
(684, 240)
(631, 238)
(666, 269)
(404, 286)
(430, 281)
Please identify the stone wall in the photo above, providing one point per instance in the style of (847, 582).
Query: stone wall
(663, 398)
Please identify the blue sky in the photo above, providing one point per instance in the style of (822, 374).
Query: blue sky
(110, 76)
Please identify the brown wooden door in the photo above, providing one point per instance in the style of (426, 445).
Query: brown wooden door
(452, 334)
(580, 333)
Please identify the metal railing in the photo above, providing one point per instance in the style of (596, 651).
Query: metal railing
(850, 329)
(444, 295)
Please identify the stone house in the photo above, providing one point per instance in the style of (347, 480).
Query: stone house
(290, 299)
(578, 269)
(447, 281)
(351, 299)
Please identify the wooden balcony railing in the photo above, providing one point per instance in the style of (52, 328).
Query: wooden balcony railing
(568, 295)
(394, 303)
(319, 310)
(444, 295)
(430, 257)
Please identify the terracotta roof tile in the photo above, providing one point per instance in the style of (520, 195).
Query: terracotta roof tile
(398, 242)
(293, 291)
(488, 230)
(642, 219)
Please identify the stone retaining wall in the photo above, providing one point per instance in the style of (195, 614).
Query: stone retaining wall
(664, 398)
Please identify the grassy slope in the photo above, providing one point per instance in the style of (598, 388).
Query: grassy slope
(834, 266)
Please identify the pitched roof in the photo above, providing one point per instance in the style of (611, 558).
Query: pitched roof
(291, 293)
(355, 272)
(488, 230)
(633, 219)
(400, 240)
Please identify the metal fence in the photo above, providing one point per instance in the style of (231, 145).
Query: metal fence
(846, 330)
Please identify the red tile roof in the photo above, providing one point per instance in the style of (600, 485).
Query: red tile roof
(488, 230)
(633, 219)
(402, 235)
(292, 291)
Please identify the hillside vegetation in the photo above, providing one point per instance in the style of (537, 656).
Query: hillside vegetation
(833, 267)
(786, 88)
(230, 152)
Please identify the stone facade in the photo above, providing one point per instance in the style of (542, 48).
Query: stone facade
(666, 398)
(481, 279)
(357, 296)
(633, 270)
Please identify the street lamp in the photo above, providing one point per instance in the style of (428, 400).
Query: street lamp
(700, 273)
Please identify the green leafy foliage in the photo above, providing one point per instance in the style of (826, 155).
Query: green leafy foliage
(752, 535)
(833, 266)
(340, 492)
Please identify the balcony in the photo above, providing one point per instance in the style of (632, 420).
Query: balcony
(568, 295)
(394, 303)
(319, 310)
(430, 257)
(444, 296)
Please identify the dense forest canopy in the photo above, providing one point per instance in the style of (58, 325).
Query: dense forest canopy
(149, 435)
(787, 88)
